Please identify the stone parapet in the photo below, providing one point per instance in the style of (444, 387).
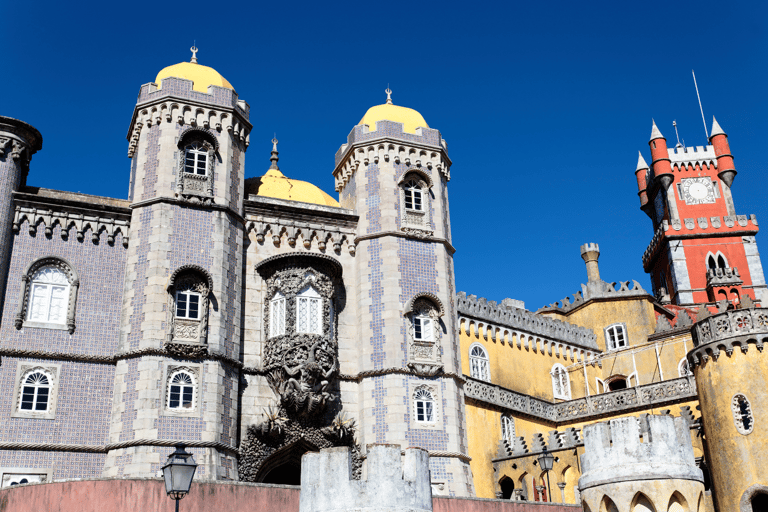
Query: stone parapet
(723, 277)
(509, 320)
(390, 485)
(723, 331)
(623, 450)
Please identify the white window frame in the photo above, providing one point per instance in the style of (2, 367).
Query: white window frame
(37, 282)
(195, 372)
(188, 294)
(479, 366)
(413, 194)
(610, 343)
(424, 404)
(192, 384)
(24, 370)
(277, 315)
(507, 428)
(561, 382)
(683, 368)
(199, 158)
(423, 328)
(307, 299)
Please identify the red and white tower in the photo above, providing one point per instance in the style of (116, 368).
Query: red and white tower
(701, 251)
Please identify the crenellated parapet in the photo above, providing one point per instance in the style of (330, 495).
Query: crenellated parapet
(688, 158)
(389, 143)
(597, 290)
(725, 331)
(535, 331)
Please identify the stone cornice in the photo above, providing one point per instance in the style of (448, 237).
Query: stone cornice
(188, 204)
(104, 448)
(425, 238)
(723, 331)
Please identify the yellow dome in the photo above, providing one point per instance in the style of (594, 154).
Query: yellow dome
(201, 76)
(275, 184)
(389, 112)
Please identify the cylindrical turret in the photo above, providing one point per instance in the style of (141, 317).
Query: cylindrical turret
(590, 253)
(719, 140)
(642, 179)
(18, 142)
(731, 373)
(660, 163)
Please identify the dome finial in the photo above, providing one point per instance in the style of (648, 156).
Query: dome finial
(194, 51)
(274, 157)
(389, 95)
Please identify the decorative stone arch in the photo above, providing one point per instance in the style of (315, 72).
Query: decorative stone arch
(73, 279)
(743, 417)
(425, 330)
(195, 187)
(188, 336)
(422, 175)
(414, 301)
(716, 259)
(607, 505)
(506, 488)
(678, 503)
(193, 372)
(641, 503)
(614, 382)
(24, 370)
(753, 492)
(287, 461)
(424, 392)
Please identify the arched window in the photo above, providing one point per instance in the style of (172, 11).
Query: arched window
(309, 311)
(48, 295)
(188, 295)
(196, 159)
(561, 386)
(35, 392)
(425, 405)
(742, 414)
(616, 383)
(423, 312)
(715, 261)
(683, 368)
(181, 391)
(507, 428)
(413, 196)
(616, 337)
(479, 368)
(277, 315)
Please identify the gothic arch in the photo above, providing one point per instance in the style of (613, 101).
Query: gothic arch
(677, 503)
(421, 175)
(409, 307)
(641, 503)
(197, 133)
(285, 464)
(607, 505)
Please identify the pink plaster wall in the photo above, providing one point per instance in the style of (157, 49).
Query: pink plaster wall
(148, 495)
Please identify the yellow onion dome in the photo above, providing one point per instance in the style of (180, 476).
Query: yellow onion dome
(410, 118)
(201, 76)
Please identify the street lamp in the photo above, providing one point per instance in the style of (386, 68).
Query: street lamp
(178, 472)
(546, 462)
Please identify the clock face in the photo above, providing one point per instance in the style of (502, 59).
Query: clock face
(698, 190)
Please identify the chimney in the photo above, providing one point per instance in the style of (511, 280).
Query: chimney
(590, 253)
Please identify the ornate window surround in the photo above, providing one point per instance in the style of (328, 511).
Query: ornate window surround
(26, 278)
(738, 414)
(507, 428)
(412, 220)
(715, 258)
(187, 331)
(610, 344)
(436, 422)
(34, 475)
(23, 370)
(684, 368)
(196, 372)
(484, 371)
(561, 382)
(424, 355)
(195, 187)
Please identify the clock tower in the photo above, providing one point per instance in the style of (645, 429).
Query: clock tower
(701, 251)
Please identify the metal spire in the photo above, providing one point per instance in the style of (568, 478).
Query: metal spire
(700, 107)
(389, 95)
(274, 157)
(194, 54)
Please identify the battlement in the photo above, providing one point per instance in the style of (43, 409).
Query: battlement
(597, 290)
(627, 449)
(590, 247)
(695, 156)
(522, 320)
(391, 485)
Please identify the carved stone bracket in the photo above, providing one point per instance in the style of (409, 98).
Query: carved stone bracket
(47, 218)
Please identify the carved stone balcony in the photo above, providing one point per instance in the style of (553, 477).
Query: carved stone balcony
(648, 395)
(728, 276)
(721, 332)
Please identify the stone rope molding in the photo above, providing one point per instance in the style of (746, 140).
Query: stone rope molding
(723, 331)
(104, 448)
(531, 330)
(655, 394)
(437, 454)
(113, 359)
(47, 218)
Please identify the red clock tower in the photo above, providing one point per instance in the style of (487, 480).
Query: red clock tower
(701, 250)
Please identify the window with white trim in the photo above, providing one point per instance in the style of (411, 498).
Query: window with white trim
(188, 304)
(181, 391)
(561, 385)
(48, 296)
(422, 328)
(507, 428)
(425, 406)
(277, 315)
(683, 368)
(196, 159)
(616, 337)
(414, 199)
(479, 367)
(309, 311)
(35, 392)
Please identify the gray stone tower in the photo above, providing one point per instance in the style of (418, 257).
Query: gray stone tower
(180, 323)
(18, 142)
(394, 171)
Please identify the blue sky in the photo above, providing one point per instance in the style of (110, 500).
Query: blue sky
(544, 105)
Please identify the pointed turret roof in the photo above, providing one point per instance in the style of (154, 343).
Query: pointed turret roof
(716, 130)
(641, 162)
(655, 133)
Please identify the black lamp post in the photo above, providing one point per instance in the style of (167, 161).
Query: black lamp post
(178, 472)
(546, 462)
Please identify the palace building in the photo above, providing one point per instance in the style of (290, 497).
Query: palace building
(260, 319)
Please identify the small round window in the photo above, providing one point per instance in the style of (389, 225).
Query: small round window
(742, 414)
